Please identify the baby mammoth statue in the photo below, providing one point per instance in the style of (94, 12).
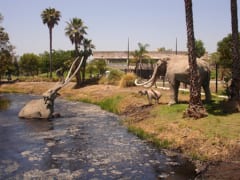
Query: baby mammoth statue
(151, 94)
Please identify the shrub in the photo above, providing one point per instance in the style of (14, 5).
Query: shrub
(112, 78)
(127, 80)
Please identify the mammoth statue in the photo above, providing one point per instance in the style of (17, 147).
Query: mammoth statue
(151, 94)
(176, 70)
(44, 108)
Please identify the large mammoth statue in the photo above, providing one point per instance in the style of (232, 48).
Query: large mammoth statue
(44, 108)
(176, 70)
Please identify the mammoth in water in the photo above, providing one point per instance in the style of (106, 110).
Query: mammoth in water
(44, 108)
(176, 70)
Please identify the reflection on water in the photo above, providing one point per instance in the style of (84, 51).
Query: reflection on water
(85, 143)
(4, 103)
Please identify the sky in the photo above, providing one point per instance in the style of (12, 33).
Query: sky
(111, 23)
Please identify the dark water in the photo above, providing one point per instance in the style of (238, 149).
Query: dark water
(85, 143)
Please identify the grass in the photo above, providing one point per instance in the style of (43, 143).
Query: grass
(149, 137)
(111, 104)
(213, 137)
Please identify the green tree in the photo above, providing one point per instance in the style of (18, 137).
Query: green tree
(140, 54)
(225, 51)
(50, 16)
(195, 108)
(98, 65)
(29, 64)
(161, 49)
(86, 53)
(76, 30)
(200, 49)
(6, 51)
(60, 59)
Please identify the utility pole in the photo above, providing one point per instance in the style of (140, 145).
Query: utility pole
(176, 47)
(128, 57)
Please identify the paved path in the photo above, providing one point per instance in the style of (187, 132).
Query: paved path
(85, 143)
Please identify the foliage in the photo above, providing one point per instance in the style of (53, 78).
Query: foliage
(200, 50)
(225, 51)
(76, 30)
(6, 52)
(127, 80)
(111, 104)
(29, 64)
(97, 67)
(86, 52)
(140, 54)
(60, 59)
(113, 77)
(159, 143)
(50, 16)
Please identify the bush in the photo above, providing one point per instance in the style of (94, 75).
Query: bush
(127, 80)
(112, 78)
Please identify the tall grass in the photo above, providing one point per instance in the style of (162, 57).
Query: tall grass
(127, 80)
(111, 104)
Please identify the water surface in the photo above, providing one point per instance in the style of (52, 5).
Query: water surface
(84, 143)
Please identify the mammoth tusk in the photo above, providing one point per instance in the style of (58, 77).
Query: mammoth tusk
(144, 83)
(68, 79)
(152, 80)
(70, 70)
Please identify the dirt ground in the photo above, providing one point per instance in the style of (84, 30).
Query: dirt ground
(137, 110)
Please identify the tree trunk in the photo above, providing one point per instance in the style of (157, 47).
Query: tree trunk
(78, 74)
(195, 109)
(50, 53)
(84, 67)
(235, 85)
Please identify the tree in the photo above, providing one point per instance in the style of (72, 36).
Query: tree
(225, 51)
(200, 50)
(235, 84)
(101, 66)
(6, 51)
(97, 66)
(29, 64)
(76, 30)
(195, 108)
(86, 53)
(50, 16)
(139, 55)
(60, 59)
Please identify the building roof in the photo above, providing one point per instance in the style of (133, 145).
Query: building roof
(124, 54)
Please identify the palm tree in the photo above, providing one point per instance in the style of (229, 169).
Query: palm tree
(50, 16)
(86, 53)
(235, 84)
(140, 54)
(76, 30)
(195, 108)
